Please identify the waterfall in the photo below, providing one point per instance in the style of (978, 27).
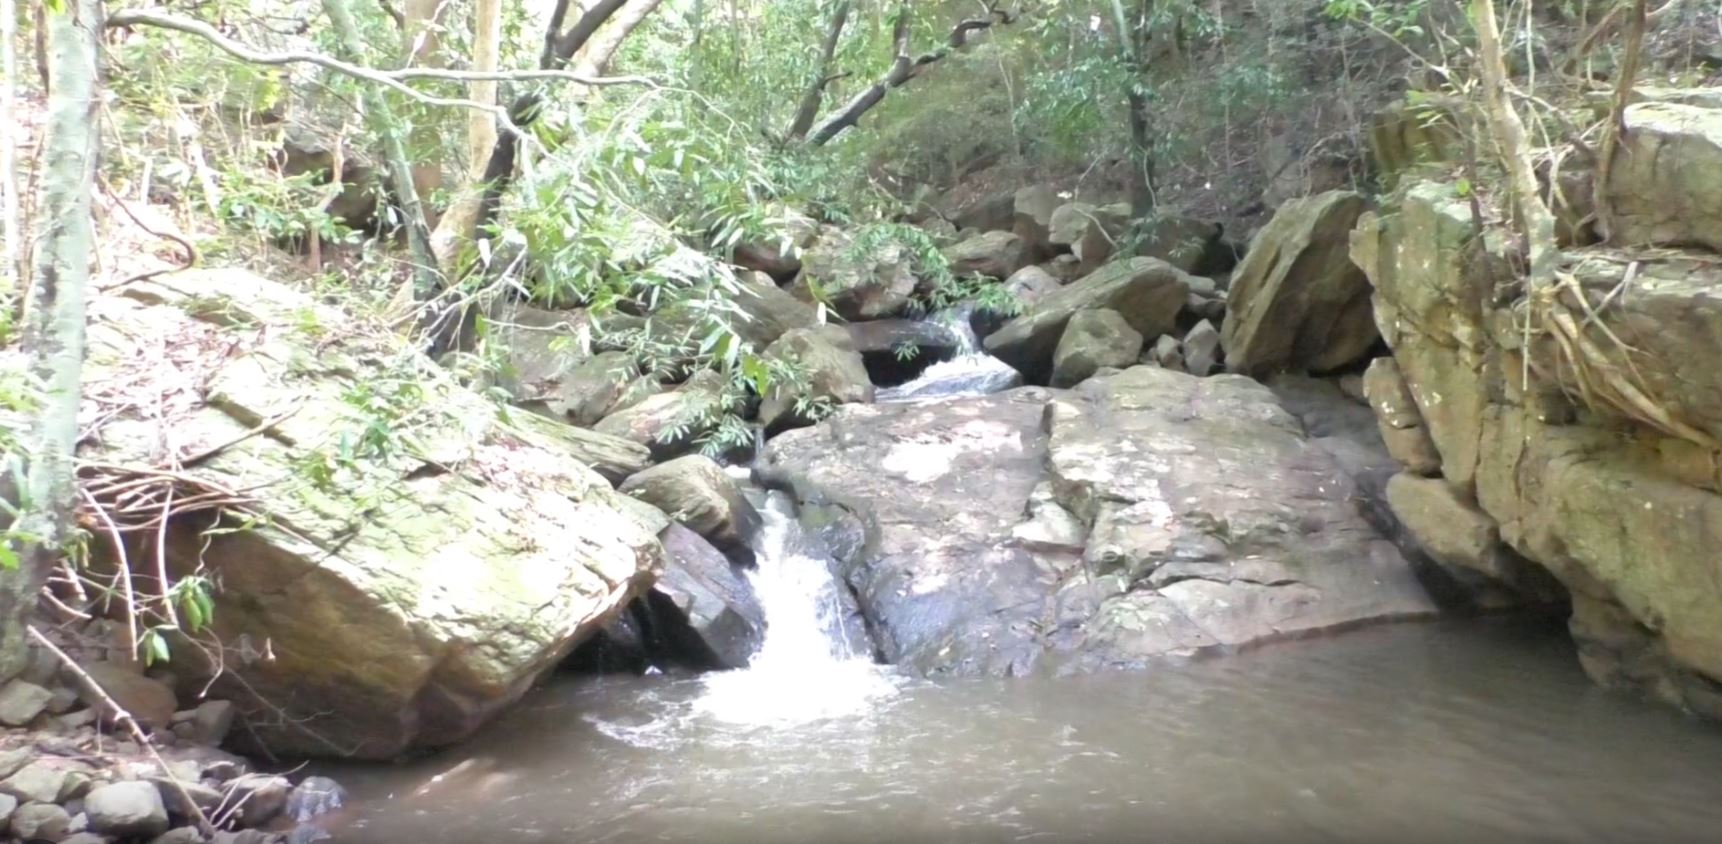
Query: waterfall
(812, 664)
(972, 372)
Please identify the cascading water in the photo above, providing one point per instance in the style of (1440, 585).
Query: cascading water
(972, 372)
(811, 664)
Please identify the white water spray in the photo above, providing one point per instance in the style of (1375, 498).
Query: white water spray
(972, 372)
(808, 666)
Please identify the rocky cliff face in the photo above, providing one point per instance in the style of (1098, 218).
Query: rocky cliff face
(1580, 433)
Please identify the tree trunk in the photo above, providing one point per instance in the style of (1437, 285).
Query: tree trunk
(1536, 222)
(420, 26)
(450, 233)
(427, 277)
(54, 318)
(11, 277)
(601, 50)
(814, 97)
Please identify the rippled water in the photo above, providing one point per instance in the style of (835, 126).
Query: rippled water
(1462, 731)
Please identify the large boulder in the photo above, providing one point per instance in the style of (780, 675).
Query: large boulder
(1093, 340)
(832, 373)
(1091, 233)
(991, 254)
(858, 281)
(753, 307)
(670, 424)
(1400, 422)
(1206, 520)
(406, 560)
(702, 611)
(1184, 242)
(1029, 285)
(1148, 293)
(1034, 207)
(1297, 302)
(1665, 187)
(695, 491)
(595, 388)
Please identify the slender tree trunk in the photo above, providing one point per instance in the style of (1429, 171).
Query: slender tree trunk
(54, 317)
(427, 277)
(451, 230)
(1536, 222)
(595, 58)
(11, 276)
(421, 27)
(1133, 42)
(814, 97)
(1616, 128)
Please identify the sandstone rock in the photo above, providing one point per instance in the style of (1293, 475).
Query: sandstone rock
(61, 701)
(1146, 292)
(956, 579)
(695, 491)
(1167, 353)
(1034, 207)
(1664, 186)
(856, 286)
(261, 798)
(185, 798)
(592, 389)
(1031, 284)
(704, 611)
(182, 835)
(1066, 268)
(486, 530)
(1093, 339)
(1183, 242)
(1202, 349)
(780, 258)
(887, 336)
(149, 701)
(314, 797)
(21, 702)
(1093, 234)
(127, 810)
(38, 782)
(670, 424)
(993, 254)
(40, 822)
(212, 721)
(835, 375)
(8, 803)
(1456, 533)
(1297, 302)
(1401, 423)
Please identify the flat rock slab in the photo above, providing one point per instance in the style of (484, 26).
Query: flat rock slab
(1211, 520)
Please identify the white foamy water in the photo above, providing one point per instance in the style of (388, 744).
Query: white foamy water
(807, 668)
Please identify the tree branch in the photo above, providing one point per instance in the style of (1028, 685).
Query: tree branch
(903, 69)
(814, 97)
(1616, 128)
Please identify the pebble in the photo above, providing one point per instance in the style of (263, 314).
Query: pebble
(21, 702)
(126, 810)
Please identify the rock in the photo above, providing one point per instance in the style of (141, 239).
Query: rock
(1031, 284)
(956, 579)
(211, 722)
(1401, 423)
(261, 798)
(1297, 302)
(488, 529)
(835, 374)
(80, 718)
(856, 286)
(995, 212)
(1066, 268)
(85, 838)
(314, 797)
(40, 822)
(1202, 349)
(127, 810)
(592, 389)
(780, 258)
(1093, 339)
(8, 803)
(61, 701)
(1146, 292)
(1034, 207)
(696, 492)
(21, 702)
(75, 786)
(670, 424)
(1050, 527)
(184, 798)
(149, 701)
(1662, 187)
(1206, 308)
(182, 835)
(1183, 242)
(887, 336)
(1091, 233)
(12, 760)
(703, 611)
(1167, 353)
(38, 782)
(1457, 534)
(762, 313)
(993, 254)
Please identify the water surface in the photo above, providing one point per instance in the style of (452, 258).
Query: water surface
(1458, 731)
